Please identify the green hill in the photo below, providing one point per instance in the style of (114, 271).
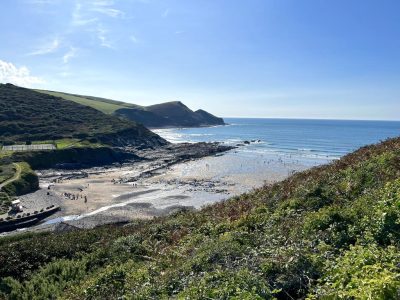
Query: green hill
(106, 106)
(168, 114)
(26, 115)
(332, 232)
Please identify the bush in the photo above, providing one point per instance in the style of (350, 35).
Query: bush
(224, 284)
(362, 272)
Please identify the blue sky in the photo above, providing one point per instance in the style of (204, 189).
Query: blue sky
(255, 58)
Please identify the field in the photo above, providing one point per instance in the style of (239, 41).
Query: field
(332, 230)
(70, 143)
(104, 105)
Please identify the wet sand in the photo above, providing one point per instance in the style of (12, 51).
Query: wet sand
(152, 187)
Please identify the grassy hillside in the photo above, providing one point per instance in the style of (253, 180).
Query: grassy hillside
(106, 106)
(20, 179)
(332, 232)
(26, 115)
(168, 114)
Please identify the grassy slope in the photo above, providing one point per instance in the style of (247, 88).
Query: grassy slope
(29, 115)
(6, 172)
(172, 113)
(106, 106)
(22, 181)
(333, 230)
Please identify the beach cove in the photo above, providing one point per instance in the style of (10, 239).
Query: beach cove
(188, 175)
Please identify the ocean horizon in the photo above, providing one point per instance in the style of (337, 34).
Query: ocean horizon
(312, 140)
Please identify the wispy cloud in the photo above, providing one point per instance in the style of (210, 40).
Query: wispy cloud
(134, 39)
(165, 13)
(101, 2)
(85, 12)
(72, 52)
(47, 47)
(90, 14)
(79, 18)
(41, 2)
(111, 12)
(102, 36)
(21, 76)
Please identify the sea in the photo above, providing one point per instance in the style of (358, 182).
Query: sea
(267, 150)
(306, 142)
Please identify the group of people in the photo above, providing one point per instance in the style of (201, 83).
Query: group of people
(72, 196)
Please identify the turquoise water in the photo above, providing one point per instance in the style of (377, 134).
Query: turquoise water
(309, 140)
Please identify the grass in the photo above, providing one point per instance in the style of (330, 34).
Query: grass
(68, 143)
(26, 181)
(332, 232)
(4, 153)
(27, 115)
(167, 114)
(107, 107)
(6, 172)
(20, 180)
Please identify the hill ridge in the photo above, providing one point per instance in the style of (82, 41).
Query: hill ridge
(27, 115)
(166, 114)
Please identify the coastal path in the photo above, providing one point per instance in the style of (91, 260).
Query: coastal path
(16, 176)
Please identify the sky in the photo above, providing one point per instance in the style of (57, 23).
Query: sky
(337, 59)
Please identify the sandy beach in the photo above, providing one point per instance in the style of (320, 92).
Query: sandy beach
(157, 185)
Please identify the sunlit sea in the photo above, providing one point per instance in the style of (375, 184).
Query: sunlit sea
(310, 142)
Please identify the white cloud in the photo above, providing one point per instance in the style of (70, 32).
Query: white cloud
(48, 47)
(111, 12)
(79, 18)
(89, 14)
(134, 39)
(165, 13)
(70, 54)
(41, 2)
(102, 2)
(85, 11)
(102, 36)
(9, 73)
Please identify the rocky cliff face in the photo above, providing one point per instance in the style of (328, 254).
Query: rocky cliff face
(133, 137)
(208, 119)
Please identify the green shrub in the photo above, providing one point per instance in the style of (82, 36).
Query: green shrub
(48, 283)
(330, 232)
(223, 284)
(362, 272)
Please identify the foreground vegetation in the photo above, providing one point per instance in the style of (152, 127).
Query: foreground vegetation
(332, 232)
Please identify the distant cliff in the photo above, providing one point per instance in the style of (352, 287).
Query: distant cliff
(169, 114)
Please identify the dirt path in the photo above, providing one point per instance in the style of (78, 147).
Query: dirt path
(16, 176)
